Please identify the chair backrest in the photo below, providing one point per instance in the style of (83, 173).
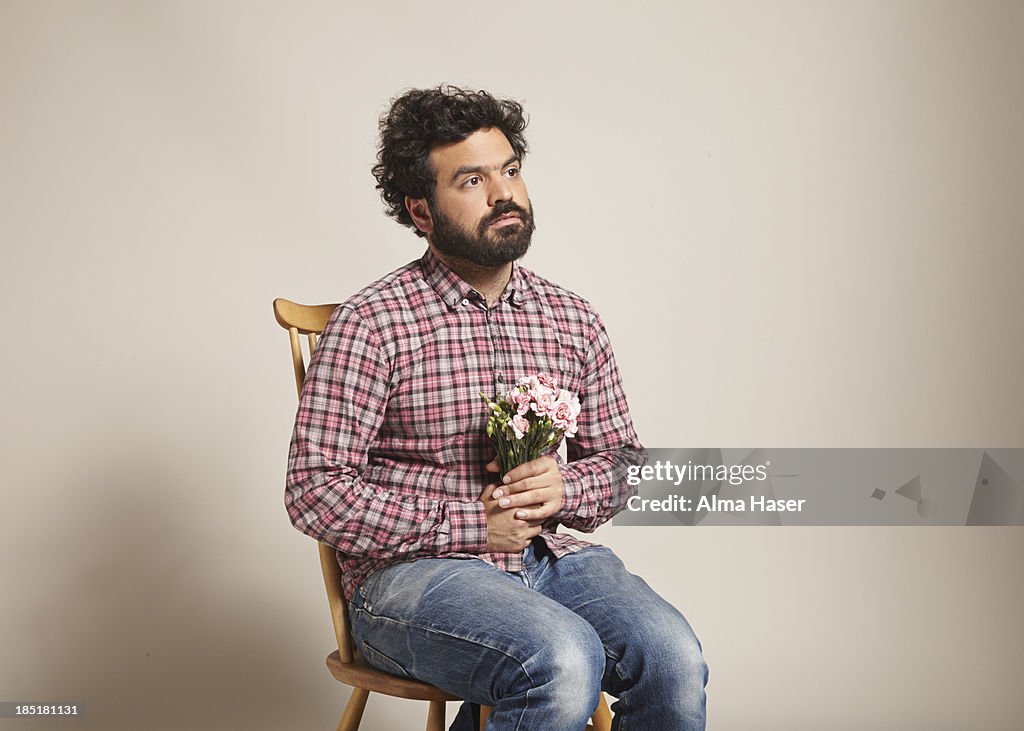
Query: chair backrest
(310, 320)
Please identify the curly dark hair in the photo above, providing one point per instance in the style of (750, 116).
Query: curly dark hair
(418, 120)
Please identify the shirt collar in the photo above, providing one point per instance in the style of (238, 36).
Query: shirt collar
(451, 288)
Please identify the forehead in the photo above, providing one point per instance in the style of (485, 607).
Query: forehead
(485, 148)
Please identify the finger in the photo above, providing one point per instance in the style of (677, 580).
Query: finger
(531, 484)
(524, 485)
(492, 466)
(531, 530)
(524, 524)
(532, 468)
(536, 515)
(523, 472)
(535, 521)
(530, 497)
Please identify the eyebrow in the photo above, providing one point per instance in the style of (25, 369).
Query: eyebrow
(466, 169)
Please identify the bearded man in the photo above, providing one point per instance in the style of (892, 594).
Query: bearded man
(453, 577)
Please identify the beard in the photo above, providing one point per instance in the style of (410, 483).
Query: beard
(485, 247)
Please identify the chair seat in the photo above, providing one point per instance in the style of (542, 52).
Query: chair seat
(360, 674)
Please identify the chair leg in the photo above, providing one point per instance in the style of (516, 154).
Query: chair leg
(485, 712)
(353, 714)
(602, 716)
(435, 716)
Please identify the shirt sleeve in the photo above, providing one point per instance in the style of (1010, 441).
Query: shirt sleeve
(341, 410)
(605, 444)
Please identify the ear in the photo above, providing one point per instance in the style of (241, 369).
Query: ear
(420, 213)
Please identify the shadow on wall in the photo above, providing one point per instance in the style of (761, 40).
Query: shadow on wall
(147, 613)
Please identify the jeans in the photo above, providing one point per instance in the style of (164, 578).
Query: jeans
(539, 644)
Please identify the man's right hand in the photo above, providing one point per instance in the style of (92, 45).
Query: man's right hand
(505, 532)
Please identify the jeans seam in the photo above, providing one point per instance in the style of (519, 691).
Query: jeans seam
(393, 661)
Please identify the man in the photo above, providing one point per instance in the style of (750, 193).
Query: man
(452, 577)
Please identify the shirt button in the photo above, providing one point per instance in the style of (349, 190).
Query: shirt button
(501, 378)
(465, 302)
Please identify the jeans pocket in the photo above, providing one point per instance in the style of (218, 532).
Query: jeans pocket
(382, 662)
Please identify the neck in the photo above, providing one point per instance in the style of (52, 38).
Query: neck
(488, 281)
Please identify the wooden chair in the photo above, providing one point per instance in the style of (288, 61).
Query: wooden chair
(345, 663)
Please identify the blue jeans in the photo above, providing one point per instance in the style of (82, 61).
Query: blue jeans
(539, 644)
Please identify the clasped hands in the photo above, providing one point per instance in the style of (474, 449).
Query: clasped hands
(529, 495)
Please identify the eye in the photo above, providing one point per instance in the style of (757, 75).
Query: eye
(512, 172)
(472, 181)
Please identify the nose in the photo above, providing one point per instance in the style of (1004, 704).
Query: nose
(500, 190)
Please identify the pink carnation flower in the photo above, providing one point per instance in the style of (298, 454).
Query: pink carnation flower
(544, 401)
(520, 400)
(531, 383)
(564, 416)
(520, 426)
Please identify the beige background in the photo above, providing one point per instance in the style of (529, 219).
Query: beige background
(802, 223)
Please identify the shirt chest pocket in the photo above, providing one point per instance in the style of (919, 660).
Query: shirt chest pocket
(547, 355)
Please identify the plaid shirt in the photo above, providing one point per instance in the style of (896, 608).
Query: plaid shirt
(387, 457)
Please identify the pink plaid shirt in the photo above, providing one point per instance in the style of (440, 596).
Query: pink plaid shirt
(387, 457)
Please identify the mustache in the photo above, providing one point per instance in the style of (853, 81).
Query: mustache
(504, 208)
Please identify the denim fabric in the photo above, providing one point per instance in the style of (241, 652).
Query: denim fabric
(538, 644)
(468, 718)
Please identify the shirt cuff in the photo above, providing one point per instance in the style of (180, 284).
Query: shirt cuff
(467, 527)
(572, 491)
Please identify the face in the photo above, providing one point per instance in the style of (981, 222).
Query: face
(480, 212)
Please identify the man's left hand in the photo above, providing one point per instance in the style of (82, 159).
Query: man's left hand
(534, 489)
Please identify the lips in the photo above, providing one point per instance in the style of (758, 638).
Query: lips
(506, 220)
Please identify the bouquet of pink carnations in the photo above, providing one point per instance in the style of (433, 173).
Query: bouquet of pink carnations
(529, 420)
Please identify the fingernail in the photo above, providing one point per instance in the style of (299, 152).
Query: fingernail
(506, 479)
(504, 502)
(520, 516)
(498, 492)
